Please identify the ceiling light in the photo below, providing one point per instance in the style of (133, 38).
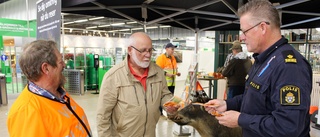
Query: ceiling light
(103, 26)
(124, 30)
(78, 21)
(117, 24)
(318, 29)
(136, 28)
(92, 27)
(153, 27)
(96, 18)
(132, 22)
(166, 26)
(68, 23)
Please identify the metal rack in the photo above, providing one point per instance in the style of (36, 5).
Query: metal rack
(75, 81)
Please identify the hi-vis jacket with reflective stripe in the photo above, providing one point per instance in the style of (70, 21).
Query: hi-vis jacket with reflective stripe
(32, 115)
(169, 65)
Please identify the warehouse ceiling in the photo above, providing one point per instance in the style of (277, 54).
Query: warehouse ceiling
(195, 15)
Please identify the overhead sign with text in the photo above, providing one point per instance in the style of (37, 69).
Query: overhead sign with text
(48, 20)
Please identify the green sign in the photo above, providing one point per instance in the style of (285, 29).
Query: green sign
(11, 27)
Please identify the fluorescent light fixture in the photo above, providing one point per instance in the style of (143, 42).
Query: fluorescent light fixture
(93, 27)
(96, 18)
(103, 26)
(117, 24)
(132, 22)
(68, 23)
(152, 27)
(166, 26)
(78, 21)
(124, 30)
(136, 28)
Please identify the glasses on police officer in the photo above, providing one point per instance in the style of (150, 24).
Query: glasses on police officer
(145, 50)
(244, 32)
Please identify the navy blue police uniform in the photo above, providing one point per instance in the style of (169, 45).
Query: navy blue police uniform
(276, 100)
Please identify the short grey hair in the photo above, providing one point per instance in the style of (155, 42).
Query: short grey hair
(34, 55)
(133, 38)
(261, 10)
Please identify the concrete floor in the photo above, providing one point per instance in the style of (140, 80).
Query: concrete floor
(165, 127)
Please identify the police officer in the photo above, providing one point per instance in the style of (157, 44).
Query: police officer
(276, 100)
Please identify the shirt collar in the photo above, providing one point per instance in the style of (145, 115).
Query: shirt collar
(45, 93)
(264, 55)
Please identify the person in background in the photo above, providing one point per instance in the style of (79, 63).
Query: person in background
(229, 57)
(44, 108)
(237, 70)
(276, 100)
(168, 63)
(131, 93)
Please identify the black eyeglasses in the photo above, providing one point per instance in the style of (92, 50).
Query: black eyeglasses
(244, 32)
(144, 51)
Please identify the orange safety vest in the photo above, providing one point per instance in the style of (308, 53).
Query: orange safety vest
(169, 65)
(33, 115)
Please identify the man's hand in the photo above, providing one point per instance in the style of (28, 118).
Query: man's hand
(178, 74)
(220, 106)
(229, 119)
(172, 109)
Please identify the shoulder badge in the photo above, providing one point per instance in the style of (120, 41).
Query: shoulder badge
(290, 95)
(289, 56)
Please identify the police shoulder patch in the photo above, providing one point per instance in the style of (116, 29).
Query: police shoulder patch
(290, 95)
(289, 56)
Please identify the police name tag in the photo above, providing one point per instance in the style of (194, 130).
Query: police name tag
(290, 95)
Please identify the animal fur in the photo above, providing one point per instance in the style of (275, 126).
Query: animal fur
(206, 124)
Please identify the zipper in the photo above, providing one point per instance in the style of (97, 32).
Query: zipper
(145, 124)
(75, 114)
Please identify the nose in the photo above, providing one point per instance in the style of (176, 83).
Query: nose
(63, 64)
(242, 37)
(148, 54)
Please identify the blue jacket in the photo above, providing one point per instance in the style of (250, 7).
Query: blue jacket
(276, 100)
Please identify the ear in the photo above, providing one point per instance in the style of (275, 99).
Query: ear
(129, 50)
(264, 28)
(45, 68)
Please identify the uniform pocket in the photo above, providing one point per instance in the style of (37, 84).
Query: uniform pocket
(155, 92)
(129, 95)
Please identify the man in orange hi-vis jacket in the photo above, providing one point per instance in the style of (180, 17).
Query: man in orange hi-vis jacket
(44, 108)
(168, 63)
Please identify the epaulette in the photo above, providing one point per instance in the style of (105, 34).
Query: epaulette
(289, 57)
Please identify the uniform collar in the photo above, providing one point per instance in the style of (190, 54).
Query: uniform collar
(259, 58)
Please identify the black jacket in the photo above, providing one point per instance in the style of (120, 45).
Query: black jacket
(236, 71)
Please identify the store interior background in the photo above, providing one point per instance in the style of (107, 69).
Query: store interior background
(82, 36)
